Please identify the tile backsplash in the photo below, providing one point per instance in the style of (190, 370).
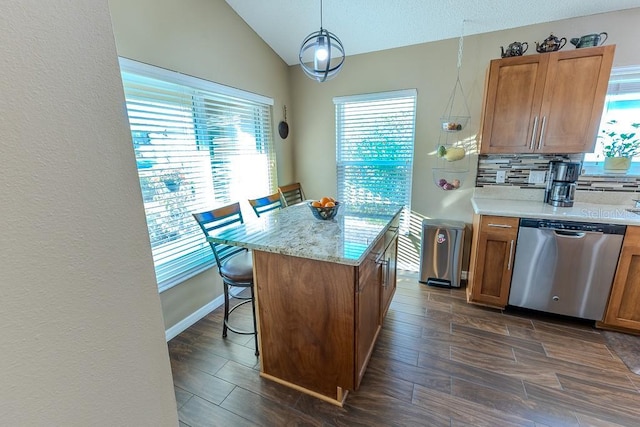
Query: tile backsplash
(518, 167)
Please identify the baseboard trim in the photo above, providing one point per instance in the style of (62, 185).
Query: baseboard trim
(182, 325)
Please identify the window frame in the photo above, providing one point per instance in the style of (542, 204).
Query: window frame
(203, 102)
(403, 163)
(623, 80)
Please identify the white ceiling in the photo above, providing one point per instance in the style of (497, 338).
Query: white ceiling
(372, 25)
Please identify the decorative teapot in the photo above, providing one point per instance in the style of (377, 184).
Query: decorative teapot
(551, 44)
(514, 49)
(589, 40)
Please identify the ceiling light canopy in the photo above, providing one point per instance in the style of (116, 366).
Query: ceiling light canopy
(324, 50)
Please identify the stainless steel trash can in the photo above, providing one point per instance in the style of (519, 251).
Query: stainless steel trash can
(441, 252)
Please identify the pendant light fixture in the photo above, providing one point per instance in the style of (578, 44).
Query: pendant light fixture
(317, 57)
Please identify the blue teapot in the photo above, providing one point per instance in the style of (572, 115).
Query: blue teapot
(589, 40)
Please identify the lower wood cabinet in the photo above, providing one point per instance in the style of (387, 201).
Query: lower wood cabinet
(492, 254)
(389, 269)
(368, 321)
(623, 309)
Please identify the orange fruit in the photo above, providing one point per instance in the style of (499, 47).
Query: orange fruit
(329, 204)
(325, 200)
(316, 204)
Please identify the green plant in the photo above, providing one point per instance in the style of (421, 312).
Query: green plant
(619, 144)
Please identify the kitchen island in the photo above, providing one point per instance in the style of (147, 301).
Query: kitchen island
(322, 289)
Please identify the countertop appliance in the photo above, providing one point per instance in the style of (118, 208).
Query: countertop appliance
(561, 185)
(565, 267)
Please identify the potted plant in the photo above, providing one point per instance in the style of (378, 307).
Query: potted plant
(619, 148)
(172, 180)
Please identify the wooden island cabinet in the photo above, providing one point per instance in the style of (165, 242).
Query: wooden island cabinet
(322, 289)
(545, 103)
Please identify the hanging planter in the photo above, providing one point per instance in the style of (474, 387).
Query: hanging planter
(172, 185)
(172, 180)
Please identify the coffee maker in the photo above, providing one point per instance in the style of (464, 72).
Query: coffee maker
(561, 185)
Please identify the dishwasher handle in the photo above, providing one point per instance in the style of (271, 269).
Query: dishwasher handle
(570, 234)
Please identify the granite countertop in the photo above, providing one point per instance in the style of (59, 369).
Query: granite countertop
(586, 208)
(294, 231)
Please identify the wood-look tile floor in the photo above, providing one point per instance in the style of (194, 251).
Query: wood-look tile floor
(438, 362)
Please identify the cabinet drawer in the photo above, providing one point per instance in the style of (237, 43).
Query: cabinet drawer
(499, 223)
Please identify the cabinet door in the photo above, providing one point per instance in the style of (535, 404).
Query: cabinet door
(367, 309)
(623, 309)
(492, 252)
(389, 275)
(513, 96)
(573, 100)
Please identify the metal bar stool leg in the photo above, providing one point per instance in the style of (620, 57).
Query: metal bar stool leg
(226, 309)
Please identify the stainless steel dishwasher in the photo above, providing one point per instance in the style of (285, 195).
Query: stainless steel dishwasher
(565, 267)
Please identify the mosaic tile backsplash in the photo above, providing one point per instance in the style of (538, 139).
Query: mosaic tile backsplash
(518, 167)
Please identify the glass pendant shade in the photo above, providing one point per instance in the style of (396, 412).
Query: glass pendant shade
(324, 50)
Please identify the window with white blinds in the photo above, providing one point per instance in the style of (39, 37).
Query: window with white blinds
(375, 141)
(198, 145)
(622, 105)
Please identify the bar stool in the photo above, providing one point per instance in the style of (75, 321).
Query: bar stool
(235, 264)
(291, 194)
(266, 203)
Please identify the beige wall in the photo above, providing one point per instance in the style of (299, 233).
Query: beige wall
(206, 39)
(82, 332)
(431, 69)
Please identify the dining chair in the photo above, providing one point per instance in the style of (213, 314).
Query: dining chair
(266, 203)
(291, 194)
(235, 264)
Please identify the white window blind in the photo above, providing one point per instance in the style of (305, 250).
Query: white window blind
(198, 146)
(375, 142)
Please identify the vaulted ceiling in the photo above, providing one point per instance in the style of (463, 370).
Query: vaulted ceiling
(372, 25)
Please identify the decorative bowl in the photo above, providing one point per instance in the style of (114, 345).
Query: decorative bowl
(453, 123)
(448, 179)
(324, 213)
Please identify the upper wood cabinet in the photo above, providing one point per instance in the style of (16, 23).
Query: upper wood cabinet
(492, 252)
(545, 103)
(623, 309)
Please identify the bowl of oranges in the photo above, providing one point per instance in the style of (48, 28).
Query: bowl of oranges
(325, 208)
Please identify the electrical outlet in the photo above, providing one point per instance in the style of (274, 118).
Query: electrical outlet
(537, 177)
(501, 176)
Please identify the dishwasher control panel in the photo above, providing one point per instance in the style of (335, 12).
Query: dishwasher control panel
(573, 226)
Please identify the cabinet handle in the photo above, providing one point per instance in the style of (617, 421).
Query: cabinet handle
(385, 267)
(510, 255)
(387, 282)
(499, 225)
(533, 134)
(544, 120)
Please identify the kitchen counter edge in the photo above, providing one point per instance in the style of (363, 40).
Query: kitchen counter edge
(580, 211)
